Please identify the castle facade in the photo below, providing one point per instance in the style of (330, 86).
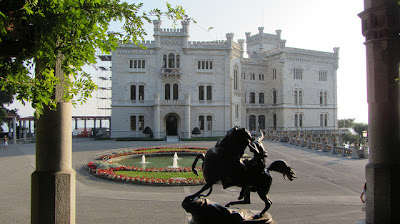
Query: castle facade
(174, 85)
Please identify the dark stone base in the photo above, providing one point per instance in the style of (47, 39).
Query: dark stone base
(206, 212)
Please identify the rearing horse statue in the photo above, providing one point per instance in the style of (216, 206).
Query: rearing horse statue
(223, 162)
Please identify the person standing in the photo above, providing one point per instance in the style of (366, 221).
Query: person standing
(5, 141)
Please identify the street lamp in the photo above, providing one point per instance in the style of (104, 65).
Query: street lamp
(365, 136)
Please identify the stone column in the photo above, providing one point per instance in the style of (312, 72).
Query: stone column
(157, 118)
(380, 26)
(24, 130)
(53, 181)
(14, 124)
(187, 116)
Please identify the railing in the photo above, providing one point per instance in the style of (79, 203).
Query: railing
(355, 153)
(171, 72)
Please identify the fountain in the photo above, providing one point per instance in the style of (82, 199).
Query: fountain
(143, 159)
(175, 161)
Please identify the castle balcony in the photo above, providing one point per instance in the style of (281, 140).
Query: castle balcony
(174, 73)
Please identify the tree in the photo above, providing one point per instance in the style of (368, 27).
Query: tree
(35, 34)
(346, 123)
(43, 46)
(359, 128)
(147, 130)
(196, 131)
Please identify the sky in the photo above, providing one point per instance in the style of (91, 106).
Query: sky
(309, 24)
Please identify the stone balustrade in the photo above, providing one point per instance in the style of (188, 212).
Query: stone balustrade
(355, 153)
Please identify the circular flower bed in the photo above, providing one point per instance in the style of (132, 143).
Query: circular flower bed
(106, 168)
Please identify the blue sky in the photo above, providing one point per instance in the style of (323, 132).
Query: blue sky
(309, 24)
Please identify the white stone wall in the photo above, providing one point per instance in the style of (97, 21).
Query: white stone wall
(226, 57)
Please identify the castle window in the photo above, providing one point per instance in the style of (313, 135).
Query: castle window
(274, 121)
(164, 61)
(141, 123)
(298, 73)
(237, 111)
(171, 61)
(323, 98)
(141, 92)
(201, 92)
(261, 76)
(201, 122)
(273, 73)
(261, 98)
(295, 97)
(175, 91)
(137, 65)
(209, 92)
(209, 122)
(274, 100)
(300, 97)
(321, 120)
(252, 97)
(204, 66)
(133, 92)
(177, 61)
(167, 91)
(326, 120)
(252, 122)
(296, 118)
(323, 76)
(133, 123)
(300, 120)
(261, 122)
(235, 79)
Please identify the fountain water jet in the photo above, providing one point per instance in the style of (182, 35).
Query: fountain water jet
(175, 161)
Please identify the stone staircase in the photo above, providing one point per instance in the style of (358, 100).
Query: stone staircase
(172, 138)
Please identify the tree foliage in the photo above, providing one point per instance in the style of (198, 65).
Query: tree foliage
(34, 34)
(196, 131)
(346, 123)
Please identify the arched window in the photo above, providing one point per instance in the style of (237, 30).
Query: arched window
(261, 122)
(274, 97)
(201, 92)
(295, 97)
(209, 92)
(167, 91)
(321, 98)
(133, 92)
(164, 61)
(296, 120)
(321, 120)
(141, 92)
(261, 98)
(201, 122)
(252, 122)
(171, 61)
(325, 98)
(177, 61)
(252, 97)
(209, 122)
(300, 97)
(300, 120)
(175, 91)
(326, 120)
(274, 121)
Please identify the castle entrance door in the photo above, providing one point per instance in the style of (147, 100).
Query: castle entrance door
(172, 125)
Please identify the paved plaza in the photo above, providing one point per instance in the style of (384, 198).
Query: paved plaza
(327, 189)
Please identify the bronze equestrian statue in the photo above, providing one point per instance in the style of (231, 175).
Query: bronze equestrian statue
(224, 163)
(257, 176)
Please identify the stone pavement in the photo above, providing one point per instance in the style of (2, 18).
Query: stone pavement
(327, 189)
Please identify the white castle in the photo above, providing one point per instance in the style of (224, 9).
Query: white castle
(174, 85)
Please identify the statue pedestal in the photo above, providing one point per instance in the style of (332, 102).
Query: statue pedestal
(206, 212)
